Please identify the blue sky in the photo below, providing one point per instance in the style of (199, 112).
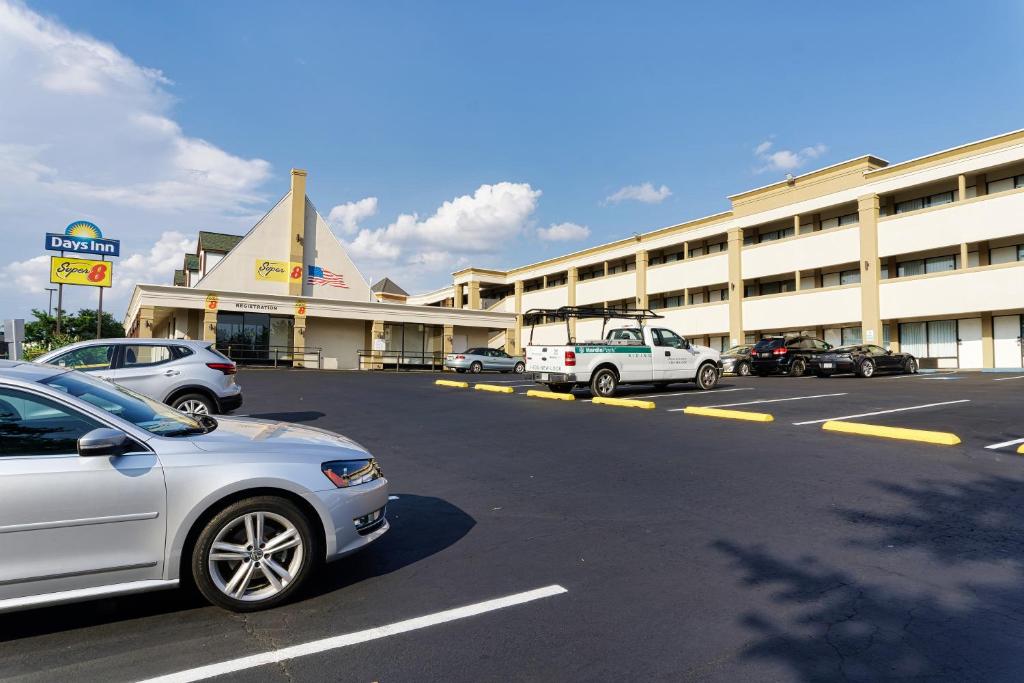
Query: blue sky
(417, 104)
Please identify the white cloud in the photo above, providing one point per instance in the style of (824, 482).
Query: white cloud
(85, 132)
(785, 159)
(645, 193)
(346, 217)
(563, 232)
(482, 223)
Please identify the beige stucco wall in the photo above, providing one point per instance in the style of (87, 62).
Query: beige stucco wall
(340, 341)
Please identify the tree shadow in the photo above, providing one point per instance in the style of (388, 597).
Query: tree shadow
(421, 526)
(952, 608)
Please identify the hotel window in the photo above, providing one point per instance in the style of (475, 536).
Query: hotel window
(591, 272)
(748, 240)
(621, 267)
(697, 251)
(716, 247)
(831, 279)
(751, 290)
(849, 277)
(776, 235)
(718, 295)
(533, 285)
(937, 264)
(1006, 254)
(557, 280)
(925, 202)
(696, 298)
(778, 287)
(1006, 184)
(934, 339)
(850, 335)
(849, 219)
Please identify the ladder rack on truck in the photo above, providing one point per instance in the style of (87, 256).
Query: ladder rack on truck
(536, 316)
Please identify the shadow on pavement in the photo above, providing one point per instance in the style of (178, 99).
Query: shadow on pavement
(420, 527)
(962, 619)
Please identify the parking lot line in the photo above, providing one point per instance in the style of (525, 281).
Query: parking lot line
(692, 392)
(883, 412)
(336, 642)
(1003, 379)
(1004, 444)
(774, 400)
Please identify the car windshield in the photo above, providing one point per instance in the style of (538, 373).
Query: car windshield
(143, 412)
(736, 350)
(769, 343)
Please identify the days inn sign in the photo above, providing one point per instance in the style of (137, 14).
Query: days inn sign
(83, 237)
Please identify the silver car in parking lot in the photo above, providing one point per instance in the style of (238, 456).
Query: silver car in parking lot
(189, 375)
(105, 492)
(480, 359)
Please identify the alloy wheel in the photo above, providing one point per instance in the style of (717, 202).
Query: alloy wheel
(708, 376)
(255, 556)
(606, 384)
(193, 407)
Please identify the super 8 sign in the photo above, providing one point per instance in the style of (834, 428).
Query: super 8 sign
(79, 271)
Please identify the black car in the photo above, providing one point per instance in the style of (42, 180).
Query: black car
(864, 360)
(786, 355)
(737, 360)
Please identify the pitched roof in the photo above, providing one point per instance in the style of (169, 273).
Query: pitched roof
(217, 241)
(191, 261)
(386, 286)
(179, 278)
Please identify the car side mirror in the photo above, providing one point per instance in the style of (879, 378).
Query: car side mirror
(103, 441)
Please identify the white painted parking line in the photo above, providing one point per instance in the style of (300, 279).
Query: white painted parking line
(692, 392)
(326, 644)
(1003, 379)
(883, 412)
(775, 400)
(1005, 444)
(929, 375)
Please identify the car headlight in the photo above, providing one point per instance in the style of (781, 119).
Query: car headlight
(348, 473)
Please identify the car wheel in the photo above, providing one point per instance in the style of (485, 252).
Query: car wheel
(520, 368)
(194, 404)
(911, 367)
(603, 383)
(254, 554)
(707, 376)
(797, 368)
(561, 388)
(476, 368)
(743, 369)
(866, 368)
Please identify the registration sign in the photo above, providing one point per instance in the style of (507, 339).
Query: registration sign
(65, 270)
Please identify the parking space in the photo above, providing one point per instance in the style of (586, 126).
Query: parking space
(983, 409)
(704, 548)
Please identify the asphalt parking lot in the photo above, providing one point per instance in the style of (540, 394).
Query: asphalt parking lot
(687, 547)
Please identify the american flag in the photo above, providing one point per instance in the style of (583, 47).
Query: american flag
(322, 276)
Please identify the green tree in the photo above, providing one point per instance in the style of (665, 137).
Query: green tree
(76, 326)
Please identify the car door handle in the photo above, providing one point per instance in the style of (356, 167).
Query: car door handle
(172, 373)
(668, 353)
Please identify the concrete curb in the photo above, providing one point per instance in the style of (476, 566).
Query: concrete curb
(494, 388)
(729, 414)
(624, 402)
(537, 393)
(451, 383)
(901, 433)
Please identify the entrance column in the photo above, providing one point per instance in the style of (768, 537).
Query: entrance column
(299, 335)
(447, 339)
(146, 317)
(988, 347)
(378, 344)
(870, 264)
(210, 325)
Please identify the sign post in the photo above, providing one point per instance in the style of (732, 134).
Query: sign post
(81, 237)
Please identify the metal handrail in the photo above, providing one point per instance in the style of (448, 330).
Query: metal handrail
(371, 359)
(245, 354)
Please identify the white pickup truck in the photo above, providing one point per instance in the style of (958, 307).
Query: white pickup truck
(639, 354)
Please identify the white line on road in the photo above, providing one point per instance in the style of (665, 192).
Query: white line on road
(883, 412)
(774, 400)
(691, 392)
(1005, 443)
(766, 400)
(1003, 379)
(325, 644)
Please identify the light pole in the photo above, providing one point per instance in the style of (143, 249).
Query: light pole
(49, 310)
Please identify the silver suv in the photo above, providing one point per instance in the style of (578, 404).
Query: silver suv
(188, 375)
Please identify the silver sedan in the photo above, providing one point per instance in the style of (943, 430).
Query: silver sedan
(480, 359)
(106, 492)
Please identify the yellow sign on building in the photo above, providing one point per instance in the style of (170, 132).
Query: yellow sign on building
(66, 270)
(268, 270)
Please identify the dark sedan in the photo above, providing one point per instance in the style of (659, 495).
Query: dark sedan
(736, 360)
(863, 360)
